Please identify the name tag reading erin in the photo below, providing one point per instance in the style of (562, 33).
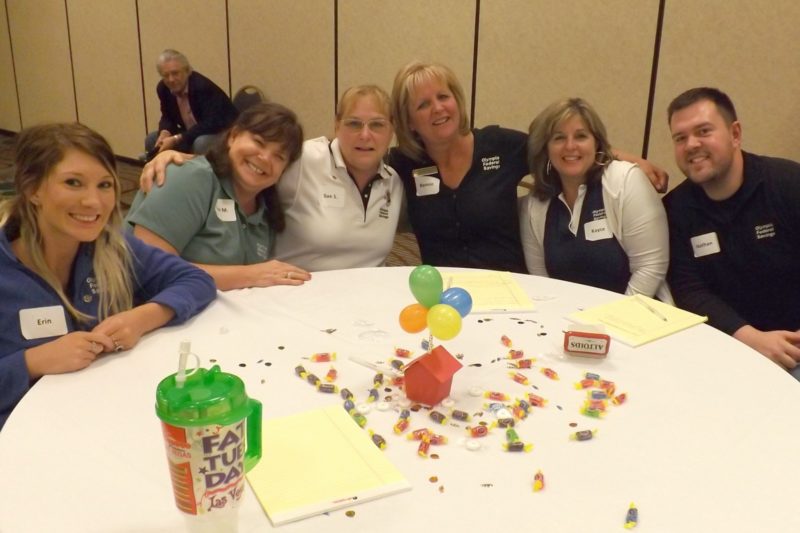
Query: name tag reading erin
(332, 198)
(41, 322)
(226, 210)
(597, 230)
(705, 244)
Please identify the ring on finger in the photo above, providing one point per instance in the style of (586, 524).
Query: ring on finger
(118, 346)
(288, 275)
(94, 347)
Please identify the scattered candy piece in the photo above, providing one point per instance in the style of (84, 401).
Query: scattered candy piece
(402, 352)
(522, 379)
(550, 373)
(300, 371)
(311, 378)
(327, 388)
(475, 391)
(631, 517)
(373, 395)
(505, 341)
(346, 394)
(586, 384)
(583, 434)
(460, 415)
(496, 396)
(448, 403)
(330, 377)
(424, 447)
(364, 408)
(511, 435)
(401, 425)
(323, 357)
(523, 363)
(379, 441)
(477, 431)
(517, 446)
(437, 417)
(419, 434)
(515, 354)
(538, 481)
(619, 399)
(536, 400)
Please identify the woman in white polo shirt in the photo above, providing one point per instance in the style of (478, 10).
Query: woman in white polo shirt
(340, 201)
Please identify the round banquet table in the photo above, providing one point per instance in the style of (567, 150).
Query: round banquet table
(706, 441)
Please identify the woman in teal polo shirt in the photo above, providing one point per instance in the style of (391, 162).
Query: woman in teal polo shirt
(221, 211)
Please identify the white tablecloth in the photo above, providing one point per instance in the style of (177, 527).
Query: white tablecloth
(707, 440)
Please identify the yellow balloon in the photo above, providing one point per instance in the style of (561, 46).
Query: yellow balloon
(444, 322)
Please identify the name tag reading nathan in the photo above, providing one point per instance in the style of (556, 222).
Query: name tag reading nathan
(41, 322)
(226, 210)
(332, 198)
(705, 244)
(597, 230)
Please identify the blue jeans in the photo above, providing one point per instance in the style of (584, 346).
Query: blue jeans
(200, 145)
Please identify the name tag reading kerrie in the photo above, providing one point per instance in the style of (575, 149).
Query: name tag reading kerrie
(42, 322)
(226, 210)
(597, 230)
(332, 198)
(705, 244)
(426, 185)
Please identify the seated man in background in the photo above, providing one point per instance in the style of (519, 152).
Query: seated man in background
(734, 230)
(193, 108)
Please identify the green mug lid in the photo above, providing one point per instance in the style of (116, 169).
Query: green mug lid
(206, 397)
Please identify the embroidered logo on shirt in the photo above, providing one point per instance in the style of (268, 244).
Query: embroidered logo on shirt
(261, 250)
(92, 283)
(490, 163)
(765, 230)
(599, 214)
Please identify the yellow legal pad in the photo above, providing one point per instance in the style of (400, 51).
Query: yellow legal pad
(491, 291)
(319, 461)
(636, 320)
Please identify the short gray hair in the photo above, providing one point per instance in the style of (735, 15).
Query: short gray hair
(172, 55)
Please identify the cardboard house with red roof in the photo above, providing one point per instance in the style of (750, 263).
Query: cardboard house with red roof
(429, 377)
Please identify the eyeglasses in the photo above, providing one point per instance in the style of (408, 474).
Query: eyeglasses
(375, 125)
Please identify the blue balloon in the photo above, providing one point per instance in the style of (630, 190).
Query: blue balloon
(458, 299)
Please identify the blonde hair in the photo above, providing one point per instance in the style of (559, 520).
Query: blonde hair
(406, 81)
(353, 94)
(38, 150)
(546, 181)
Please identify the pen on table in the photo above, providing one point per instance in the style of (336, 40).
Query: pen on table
(650, 308)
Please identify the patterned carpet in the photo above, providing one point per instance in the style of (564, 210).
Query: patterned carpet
(404, 252)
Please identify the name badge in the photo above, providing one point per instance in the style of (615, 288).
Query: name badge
(226, 210)
(597, 230)
(705, 244)
(41, 322)
(331, 198)
(426, 185)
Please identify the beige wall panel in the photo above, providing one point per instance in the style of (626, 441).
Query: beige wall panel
(41, 55)
(535, 52)
(376, 38)
(195, 28)
(107, 78)
(286, 48)
(749, 50)
(9, 109)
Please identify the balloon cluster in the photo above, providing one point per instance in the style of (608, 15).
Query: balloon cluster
(440, 310)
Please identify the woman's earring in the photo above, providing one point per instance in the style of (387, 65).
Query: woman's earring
(549, 167)
(601, 159)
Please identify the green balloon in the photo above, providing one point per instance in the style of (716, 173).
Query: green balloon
(426, 285)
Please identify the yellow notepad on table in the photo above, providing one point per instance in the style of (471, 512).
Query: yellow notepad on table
(319, 461)
(491, 291)
(636, 320)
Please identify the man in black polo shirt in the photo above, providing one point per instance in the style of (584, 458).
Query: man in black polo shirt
(734, 230)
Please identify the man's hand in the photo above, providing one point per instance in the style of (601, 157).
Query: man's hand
(658, 176)
(156, 170)
(781, 347)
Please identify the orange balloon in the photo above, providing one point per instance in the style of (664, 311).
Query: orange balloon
(414, 318)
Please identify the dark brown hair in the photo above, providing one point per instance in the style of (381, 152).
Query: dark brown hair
(273, 123)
